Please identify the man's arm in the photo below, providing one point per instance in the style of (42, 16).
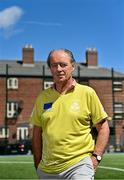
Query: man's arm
(37, 145)
(101, 141)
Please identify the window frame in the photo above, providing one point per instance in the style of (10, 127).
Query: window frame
(117, 85)
(48, 84)
(118, 110)
(2, 132)
(12, 83)
(12, 109)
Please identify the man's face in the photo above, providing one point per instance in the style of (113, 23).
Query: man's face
(61, 66)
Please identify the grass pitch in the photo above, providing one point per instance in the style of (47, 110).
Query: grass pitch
(21, 167)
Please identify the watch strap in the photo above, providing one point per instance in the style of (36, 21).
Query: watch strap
(98, 157)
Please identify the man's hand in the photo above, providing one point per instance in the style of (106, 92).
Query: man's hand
(101, 141)
(95, 162)
(37, 145)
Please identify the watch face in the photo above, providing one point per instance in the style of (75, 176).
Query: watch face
(99, 158)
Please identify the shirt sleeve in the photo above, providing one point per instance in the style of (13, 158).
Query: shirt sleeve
(35, 117)
(97, 111)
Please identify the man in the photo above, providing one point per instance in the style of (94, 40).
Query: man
(63, 146)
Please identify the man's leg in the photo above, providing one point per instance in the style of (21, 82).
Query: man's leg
(42, 175)
(81, 171)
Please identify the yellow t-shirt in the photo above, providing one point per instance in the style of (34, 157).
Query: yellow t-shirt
(66, 122)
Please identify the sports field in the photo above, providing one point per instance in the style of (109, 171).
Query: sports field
(21, 167)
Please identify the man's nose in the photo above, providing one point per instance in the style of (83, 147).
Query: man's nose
(59, 68)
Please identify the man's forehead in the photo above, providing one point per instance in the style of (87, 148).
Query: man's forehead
(60, 53)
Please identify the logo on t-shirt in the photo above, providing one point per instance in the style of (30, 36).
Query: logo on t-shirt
(47, 106)
(75, 106)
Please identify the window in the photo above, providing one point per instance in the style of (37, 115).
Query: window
(118, 110)
(12, 83)
(2, 133)
(118, 107)
(12, 109)
(22, 133)
(47, 84)
(117, 85)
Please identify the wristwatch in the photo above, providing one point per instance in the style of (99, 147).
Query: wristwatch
(98, 157)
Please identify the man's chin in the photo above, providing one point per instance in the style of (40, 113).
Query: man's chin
(61, 80)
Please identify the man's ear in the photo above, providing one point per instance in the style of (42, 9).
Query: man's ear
(73, 65)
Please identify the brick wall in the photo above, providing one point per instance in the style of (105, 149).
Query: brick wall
(2, 100)
(28, 90)
(103, 89)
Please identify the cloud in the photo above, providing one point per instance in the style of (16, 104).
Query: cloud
(10, 16)
(43, 23)
(11, 32)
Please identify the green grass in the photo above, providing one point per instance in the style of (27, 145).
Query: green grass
(17, 170)
(112, 161)
(11, 170)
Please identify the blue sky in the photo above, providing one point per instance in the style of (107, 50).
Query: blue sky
(72, 24)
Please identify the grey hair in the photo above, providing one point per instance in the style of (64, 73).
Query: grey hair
(68, 52)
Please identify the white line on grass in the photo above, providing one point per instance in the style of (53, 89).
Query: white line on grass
(16, 162)
(111, 168)
(29, 162)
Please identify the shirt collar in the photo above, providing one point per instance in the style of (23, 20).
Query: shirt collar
(69, 87)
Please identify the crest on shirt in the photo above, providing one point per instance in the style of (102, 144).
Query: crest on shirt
(75, 106)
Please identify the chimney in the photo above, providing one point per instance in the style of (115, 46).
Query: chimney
(91, 57)
(28, 55)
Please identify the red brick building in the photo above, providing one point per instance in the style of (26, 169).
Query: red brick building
(22, 80)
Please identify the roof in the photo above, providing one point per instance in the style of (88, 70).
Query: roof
(40, 68)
